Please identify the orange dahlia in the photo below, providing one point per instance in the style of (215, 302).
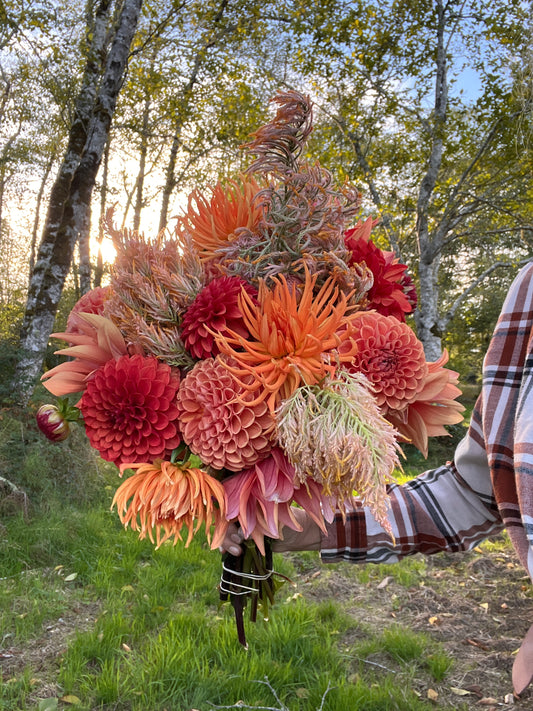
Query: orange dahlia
(433, 407)
(218, 420)
(93, 341)
(295, 337)
(391, 357)
(165, 497)
(214, 221)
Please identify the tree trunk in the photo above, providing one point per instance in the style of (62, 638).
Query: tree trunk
(37, 218)
(55, 258)
(139, 184)
(99, 271)
(427, 315)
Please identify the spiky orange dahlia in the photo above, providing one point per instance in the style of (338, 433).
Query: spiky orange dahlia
(163, 497)
(214, 221)
(295, 337)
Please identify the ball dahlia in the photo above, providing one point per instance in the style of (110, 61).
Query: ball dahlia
(129, 409)
(219, 420)
(391, 357)
(216, 308)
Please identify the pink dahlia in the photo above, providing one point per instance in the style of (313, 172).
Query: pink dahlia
(90, 303)
(260, 498)
(216, 308)
(392, 292)
(391, 357)
(94, 341)
(129, 409)
(219, 419)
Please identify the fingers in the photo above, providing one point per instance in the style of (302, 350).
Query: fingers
(232, 541)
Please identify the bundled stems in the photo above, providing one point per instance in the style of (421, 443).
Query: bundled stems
(249, 575)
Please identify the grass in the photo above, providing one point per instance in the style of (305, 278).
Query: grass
(144, 630)
(160, 639)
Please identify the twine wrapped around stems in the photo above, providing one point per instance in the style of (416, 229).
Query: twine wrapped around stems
(249, 576)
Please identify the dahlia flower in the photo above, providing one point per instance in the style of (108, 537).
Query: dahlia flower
(90, 303)
(94, 341)
(388, 293)
(215, 309)
(392, 358)
(165, 497)
(260, 499)
(433, 407)
(213, 221)
(219, 420)
(52, 423)
(129, 409)
(336, 436)
(295, 337)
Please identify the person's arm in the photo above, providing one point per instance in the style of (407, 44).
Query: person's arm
(451, 508)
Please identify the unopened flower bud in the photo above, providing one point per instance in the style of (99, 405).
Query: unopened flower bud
(52, 423)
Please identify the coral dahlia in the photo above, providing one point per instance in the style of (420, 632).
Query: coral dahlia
(90, 303)
(391, 357)
(166, 497)
(433, 407)
(129, 409)
(215, 309)
(219, 420)
(94, 341)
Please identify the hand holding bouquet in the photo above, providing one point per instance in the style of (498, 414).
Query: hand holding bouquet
(256, 359)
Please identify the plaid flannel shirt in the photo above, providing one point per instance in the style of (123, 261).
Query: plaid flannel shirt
(488, 486)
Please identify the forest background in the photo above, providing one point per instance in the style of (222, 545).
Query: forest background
(425, 105)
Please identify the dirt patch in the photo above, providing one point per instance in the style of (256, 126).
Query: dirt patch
(42, 655)
(478, 606)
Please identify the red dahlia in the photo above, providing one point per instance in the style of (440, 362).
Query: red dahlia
(392, 291)
(129, 409)
(217, 308)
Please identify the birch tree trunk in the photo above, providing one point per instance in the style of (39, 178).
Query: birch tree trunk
(69, 210)
(427, 313)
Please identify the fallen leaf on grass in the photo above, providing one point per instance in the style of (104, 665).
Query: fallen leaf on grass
(70, 699)
(384, 582)
(433, 695)
(459, 692)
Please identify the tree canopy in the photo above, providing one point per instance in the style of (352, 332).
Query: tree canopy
(424, 105)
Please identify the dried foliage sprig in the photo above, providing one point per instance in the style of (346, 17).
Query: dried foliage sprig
(334, 433)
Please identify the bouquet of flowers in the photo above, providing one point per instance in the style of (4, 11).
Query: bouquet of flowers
(256, 359)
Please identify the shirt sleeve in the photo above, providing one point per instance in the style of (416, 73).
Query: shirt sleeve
(451, 508)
